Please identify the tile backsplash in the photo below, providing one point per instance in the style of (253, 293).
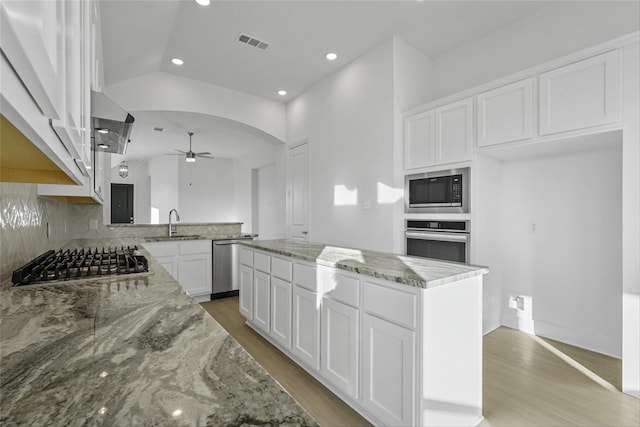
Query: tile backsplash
(31, 225)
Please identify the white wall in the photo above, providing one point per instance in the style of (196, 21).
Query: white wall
(554, 31)
(244, 188)
(206, 190)
(160, 91)
(348, 121)
(163, 171)
(561, 225)
(412, 86)
(139, 177)
(269, 211)
(631, 222)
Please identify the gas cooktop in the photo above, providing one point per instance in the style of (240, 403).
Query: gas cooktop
(80, 263)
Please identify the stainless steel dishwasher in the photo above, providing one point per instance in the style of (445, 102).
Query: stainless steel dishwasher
(224, 283)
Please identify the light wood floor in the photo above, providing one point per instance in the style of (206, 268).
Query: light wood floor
(528, 381)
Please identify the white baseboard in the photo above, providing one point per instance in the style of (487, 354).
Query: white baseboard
(598, 343)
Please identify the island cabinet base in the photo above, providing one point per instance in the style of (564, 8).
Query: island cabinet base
(398, 354)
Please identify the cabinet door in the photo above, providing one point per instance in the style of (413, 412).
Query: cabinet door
(169, 263)
(419, 138)
(306, 327)
(72, 127)
(33, 42)
(454, 132)
(340, 342)
(281, 311)
(261, 300)
(505, 114)
(388, 371)
(580, 95)
(245, 278)
(194, 273)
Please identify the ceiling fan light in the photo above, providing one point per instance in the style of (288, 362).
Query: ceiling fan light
(191, 157)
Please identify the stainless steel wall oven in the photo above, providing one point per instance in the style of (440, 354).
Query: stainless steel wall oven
(445, 240)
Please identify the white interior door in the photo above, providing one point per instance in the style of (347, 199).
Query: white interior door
(298, 192)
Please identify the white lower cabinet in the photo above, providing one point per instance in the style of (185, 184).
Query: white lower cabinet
(281, 311)
(188, 262)
(261, 300)
(340, 343)
(388, 371)
(386, 349)
(245, 286)
(305, 343)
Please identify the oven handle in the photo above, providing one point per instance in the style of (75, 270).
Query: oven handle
(444, 237)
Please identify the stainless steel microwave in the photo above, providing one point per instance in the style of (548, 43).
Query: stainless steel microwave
(438, 192)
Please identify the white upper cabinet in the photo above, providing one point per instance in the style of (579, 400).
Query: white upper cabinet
(74, 123)
(580, 95)
(47, 44)
(440, 136)
(419, 137)
(34, 45)
(505, 114)
(454, 132)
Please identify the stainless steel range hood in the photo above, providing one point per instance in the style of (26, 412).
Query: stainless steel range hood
(110, 124)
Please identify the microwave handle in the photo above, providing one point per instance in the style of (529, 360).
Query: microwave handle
(448, 237)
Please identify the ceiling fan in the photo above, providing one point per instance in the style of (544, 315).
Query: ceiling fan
(191, 156)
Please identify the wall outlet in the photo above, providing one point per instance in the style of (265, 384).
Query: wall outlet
(93, 224)
(533, 226)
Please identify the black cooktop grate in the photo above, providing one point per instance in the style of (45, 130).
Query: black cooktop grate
(80, 263)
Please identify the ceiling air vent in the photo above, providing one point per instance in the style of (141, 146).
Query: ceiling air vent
(246, 39)
(158, 129)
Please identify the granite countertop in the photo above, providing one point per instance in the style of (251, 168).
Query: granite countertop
(408, 270)
(175, 223)
(128, 350)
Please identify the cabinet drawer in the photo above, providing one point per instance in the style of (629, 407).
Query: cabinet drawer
(262, 262)
(391, 304)
(282, 268)
(191, 247)
(305, 276)
(341, 287)
(245, 256)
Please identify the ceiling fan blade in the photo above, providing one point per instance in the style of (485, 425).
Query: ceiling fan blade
(180, 151)
(204, 152)
(204, 156)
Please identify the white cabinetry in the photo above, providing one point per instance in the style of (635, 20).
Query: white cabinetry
(306, 326)
(340, 343)
(454, 132)
(245, 279)
(419, 140)
(261, 300)
(505, 114)
(580, 95)
(281, 311)
(440, 136)
(46, 43)
(195, 268)
(388, 366)
(389, 353)
(386, 349)
(188, 262)
(306, 315)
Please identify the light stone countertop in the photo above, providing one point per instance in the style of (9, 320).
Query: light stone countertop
(408, 270)
(128, 350)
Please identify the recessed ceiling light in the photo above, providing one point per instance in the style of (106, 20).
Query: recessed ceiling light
(105, 146)
(102, 130)
(282, 92)
(177, 61)
(203, 2)
(331, 56)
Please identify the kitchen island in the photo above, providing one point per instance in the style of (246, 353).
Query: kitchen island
(124, 351)
(398, 338)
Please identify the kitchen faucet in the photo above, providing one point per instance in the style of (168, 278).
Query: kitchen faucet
(172, 227)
